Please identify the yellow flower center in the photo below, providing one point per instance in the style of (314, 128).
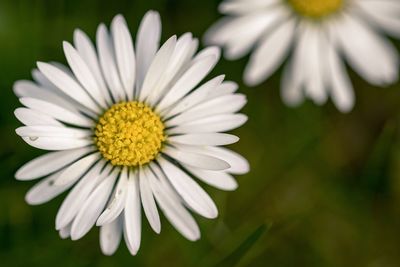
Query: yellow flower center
(316, 8)
(129, 134)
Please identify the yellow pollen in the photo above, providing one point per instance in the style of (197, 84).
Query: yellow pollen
(129, 134)
(316, 8)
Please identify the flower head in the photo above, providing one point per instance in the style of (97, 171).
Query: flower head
(316, 8)
(319, 32)
(128, 128)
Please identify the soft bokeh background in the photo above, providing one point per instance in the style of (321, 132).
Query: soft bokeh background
(324, 189)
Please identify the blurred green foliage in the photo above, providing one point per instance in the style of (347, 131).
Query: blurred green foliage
(324, 189)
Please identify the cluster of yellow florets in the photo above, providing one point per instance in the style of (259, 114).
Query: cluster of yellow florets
(129, 134)
(316, 8)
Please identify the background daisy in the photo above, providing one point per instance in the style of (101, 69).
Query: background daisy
(130, 129)
(315, 34)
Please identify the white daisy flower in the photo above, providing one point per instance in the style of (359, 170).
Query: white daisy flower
(319, 32)
(130, 128)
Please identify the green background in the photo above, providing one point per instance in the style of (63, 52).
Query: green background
(324, 187)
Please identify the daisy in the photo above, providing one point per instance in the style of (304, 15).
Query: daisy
(319, 32)
(130, 128)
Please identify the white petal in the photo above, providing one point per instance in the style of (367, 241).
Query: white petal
(227, 87)
(52, 131)
(67, 84)
(180, 57)
(314, 64)
(57, 112)
(179, 217)
(386, 6)
(65, 232)
(43, 82)
(220, 105)
(373, 57)
(196, 160)
(190, 79)
(294, 74)
(270, 53)
(236, 7)
(342, 90)
(147, 44)
(62, 67)
(73, 202)
(84, 74)
(186, 48)
(157, 67)
(30, 89)
(49, 163)
(384, 14)
(125, 54)
(132, 215)
(191, 55)
(56, 143)
(45, 190)
(217, 179)
(159, 176)
(208, 91)
(87, 51)
(217, 123)
(214, 51)
(291, 91)
(110, 237)
(195, 97)
(205, 139)
(76, 170)
(195, 197)
(92, 207)
(32, 117)
(105, 49)
(239, 34)
(149, 205)
(244, 39)
(117, 201)
(61, 99)
(239, 165)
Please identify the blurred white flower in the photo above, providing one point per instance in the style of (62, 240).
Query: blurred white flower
(130, 128)
(319, 32)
